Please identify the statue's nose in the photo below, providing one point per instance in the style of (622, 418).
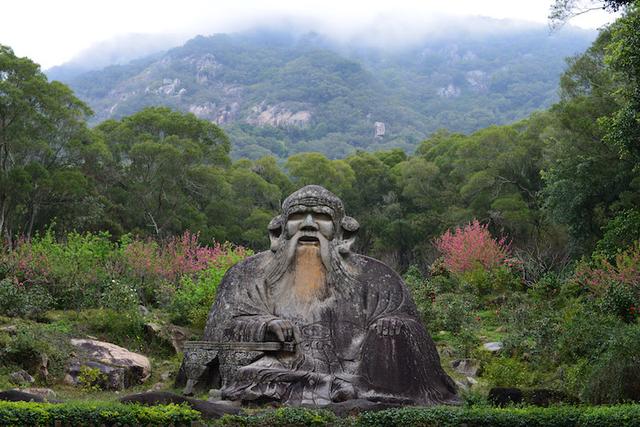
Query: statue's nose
(308, 223)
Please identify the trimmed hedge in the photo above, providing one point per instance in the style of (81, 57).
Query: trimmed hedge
(94, 413)
(558, 416)
(102, 413)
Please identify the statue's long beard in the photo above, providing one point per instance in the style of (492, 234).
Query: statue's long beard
(315, 271)
(309, 275)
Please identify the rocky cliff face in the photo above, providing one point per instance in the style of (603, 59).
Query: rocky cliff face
(278, 116)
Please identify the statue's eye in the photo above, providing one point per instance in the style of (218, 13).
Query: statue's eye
(321, 217)
(299, 216)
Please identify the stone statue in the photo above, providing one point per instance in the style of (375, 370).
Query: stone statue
(310, 322)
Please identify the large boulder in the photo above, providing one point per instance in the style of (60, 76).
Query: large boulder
(19, 396)
(120, 368)
(21, 377)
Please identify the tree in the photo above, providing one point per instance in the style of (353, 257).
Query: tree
(623, 55)
(314, 168)
(586, 182)
(42, 138)
(564, 10)
(166, 168)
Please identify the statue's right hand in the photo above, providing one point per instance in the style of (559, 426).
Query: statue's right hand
(282, 329)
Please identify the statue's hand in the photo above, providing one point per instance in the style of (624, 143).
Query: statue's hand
(282, 329)
(390, 326)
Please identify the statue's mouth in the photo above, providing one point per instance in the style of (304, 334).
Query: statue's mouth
(309, 240)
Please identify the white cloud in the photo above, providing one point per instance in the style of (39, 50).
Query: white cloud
(52, 32)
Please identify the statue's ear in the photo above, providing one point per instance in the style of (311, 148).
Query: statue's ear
(275, 230)
(350, 228)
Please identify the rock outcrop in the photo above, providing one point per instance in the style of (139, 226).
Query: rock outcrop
(120, 367)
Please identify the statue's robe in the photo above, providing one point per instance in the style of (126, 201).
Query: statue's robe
(339, 355)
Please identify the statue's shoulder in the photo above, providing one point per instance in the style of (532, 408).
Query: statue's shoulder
(373, 270)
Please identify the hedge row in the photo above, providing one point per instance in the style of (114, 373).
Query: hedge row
(559, 416)
(94, 413)
(102, 413)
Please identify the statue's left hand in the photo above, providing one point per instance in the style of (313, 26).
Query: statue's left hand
(388, 326)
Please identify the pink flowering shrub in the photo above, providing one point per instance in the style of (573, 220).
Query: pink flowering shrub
(157, 269)
(476, 259)
(466, 248)
(178, 256)
(615, 285)
(85, 270)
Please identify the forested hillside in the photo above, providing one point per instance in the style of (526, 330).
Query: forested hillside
(280, 94)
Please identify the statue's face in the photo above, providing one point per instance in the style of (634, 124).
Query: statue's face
(307, 222)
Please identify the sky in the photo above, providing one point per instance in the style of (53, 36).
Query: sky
(52, 32)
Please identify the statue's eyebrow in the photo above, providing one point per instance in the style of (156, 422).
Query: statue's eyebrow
(317, 209)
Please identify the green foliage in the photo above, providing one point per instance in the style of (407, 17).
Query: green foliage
(623, 126)
(508, 372)
(615, 375)
(95, 413)
(282, 417)
(30, 301)
(560, 416)
(619, 233)
(91, 379)
(121, 327)
(32, 343)
(194, 298)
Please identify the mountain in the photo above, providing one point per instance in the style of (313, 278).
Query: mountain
(276, 93)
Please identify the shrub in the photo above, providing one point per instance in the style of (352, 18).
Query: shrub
(34, 342)
(157, 271)
(18, 299)
(508, 372)
(452, 312)
(94, 413)
(195, 295)
(616, 285)
(479, 261)
(119, 295)
(124, 328)
(91, 379)
(615, 376)
(619, 234)
(471, 246)
(72, 270)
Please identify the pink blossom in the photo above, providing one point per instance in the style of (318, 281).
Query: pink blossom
(472, 245)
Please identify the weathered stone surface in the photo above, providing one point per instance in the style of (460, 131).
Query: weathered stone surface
(207, 409)
(20, 396)
(46, 393)
(214, 395)
(356, 331)
(174, 336)
(21, 377)
(121, 367)
(493, 347)
(157, 387)
(468, 367)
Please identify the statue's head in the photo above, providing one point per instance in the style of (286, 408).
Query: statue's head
(312, 216)
(312, 230)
